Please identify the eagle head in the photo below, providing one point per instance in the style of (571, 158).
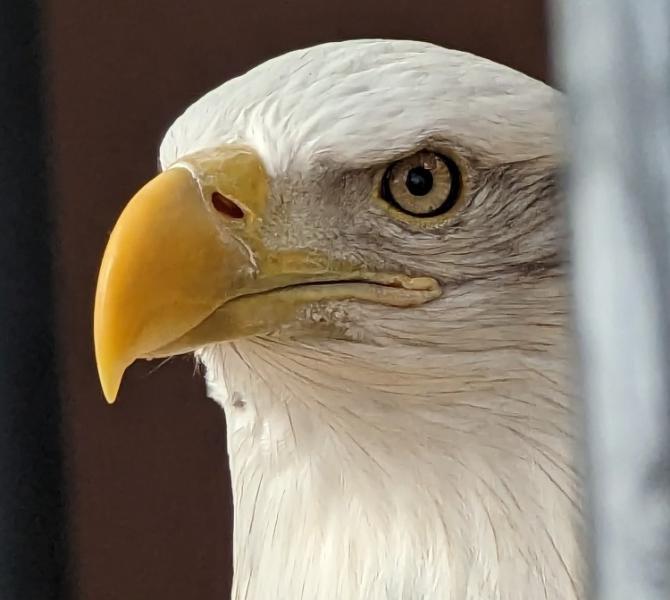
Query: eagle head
(361, 242)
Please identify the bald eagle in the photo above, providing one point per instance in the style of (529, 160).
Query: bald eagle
(361, 242)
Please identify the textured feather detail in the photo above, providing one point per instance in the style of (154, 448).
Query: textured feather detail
(396, 472)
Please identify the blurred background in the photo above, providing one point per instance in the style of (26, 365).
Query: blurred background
(148, 502)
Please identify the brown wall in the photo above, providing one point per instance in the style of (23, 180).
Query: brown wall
(150, 507)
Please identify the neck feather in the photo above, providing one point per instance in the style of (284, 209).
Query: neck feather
(400, 472)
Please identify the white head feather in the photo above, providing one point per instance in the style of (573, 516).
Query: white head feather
(425, 453)
(363, 101)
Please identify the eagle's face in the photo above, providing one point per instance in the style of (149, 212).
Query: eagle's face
(361, 242)
(392, 194)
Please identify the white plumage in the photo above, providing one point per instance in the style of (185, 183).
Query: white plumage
(418, 453)
(366, 101)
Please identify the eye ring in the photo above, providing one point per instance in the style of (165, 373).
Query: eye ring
(426, 184)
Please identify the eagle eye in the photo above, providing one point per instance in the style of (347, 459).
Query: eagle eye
(425, 184)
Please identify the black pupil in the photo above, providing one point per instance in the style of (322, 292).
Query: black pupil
(419, 181)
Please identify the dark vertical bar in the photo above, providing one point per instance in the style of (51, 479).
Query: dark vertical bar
(614, 57)
(32, 547)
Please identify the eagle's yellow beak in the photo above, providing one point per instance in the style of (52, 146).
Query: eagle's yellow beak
(186, 266)
(172, 259)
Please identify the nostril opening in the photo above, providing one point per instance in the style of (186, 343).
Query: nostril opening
(226, 206)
